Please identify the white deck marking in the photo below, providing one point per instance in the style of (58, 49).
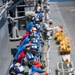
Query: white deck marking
(72, 10)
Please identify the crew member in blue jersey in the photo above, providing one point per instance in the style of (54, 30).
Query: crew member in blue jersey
(39, 27)
(38, 8)
(37, 67)
(22, 46)
(37, 16)
(29, 26)
(16, 68)
(33, 29)
(24, 42)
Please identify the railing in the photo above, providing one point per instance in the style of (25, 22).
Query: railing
(3, 8)
(15, 31)
(45, 20)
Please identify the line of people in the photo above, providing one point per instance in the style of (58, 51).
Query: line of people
(30, 51)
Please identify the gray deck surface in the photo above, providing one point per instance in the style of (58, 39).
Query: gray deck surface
(62, 13)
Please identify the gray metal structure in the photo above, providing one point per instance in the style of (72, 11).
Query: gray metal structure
(15, 31)
(5, 53)
(17, 19)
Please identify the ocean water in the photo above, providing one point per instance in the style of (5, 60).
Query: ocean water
(61, 0)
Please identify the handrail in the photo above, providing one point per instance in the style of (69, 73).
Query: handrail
(4, 7)
(7, 8)
(14, 4)
(5, 4)
(11, 19)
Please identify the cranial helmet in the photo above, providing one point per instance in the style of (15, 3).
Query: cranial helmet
(28, 59)
(50, 21)
(29, 56)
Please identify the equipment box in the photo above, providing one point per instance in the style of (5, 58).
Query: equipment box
(64, 69)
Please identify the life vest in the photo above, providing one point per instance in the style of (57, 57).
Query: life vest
(18, 69)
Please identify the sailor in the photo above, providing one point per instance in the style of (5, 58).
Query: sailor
(27, 37)
(21, 55)
(24, 36)
(28, 58)
(25, 51)
(33, 64)
(38, 25)
(32, 22)
(39, 11)
(51, 26)
(37, 16)
(38, 69)
(23, 45)
(33, 29)
(36, 37)
(38, 8)
(24, 42)
(16, 68)
(34, 48)
(30, 25)
(50, 29)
